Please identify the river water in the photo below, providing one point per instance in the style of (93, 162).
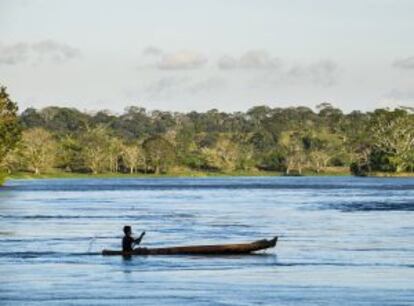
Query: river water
(343, 240)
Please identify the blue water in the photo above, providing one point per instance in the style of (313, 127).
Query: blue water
(342, 240)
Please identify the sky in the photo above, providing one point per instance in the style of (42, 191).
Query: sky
(186, 55)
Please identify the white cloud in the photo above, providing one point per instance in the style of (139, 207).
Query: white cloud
(182, 60)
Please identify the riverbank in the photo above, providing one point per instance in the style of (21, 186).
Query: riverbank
(388, 174)
(2, 178)
(173, 173)
(56, 174)
(69, 175)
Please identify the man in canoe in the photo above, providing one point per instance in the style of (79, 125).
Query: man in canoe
(128, 242)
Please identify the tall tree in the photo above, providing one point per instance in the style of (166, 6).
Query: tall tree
(38, 150)
(132, 156)
(95, 147)
(9, 128)
(223, 156)
(323, 147)
(69, 154)
(393, 133)
(12, 161)
(159, 154)
(114, 153)
(293, 147)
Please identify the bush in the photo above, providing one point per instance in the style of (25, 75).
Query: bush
(358, 169)
(2, 178)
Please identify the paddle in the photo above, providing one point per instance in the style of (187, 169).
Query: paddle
(138, 240)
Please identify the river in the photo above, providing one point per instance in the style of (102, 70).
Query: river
(342, 240)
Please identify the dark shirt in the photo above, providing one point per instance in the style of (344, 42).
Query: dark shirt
(127, 243)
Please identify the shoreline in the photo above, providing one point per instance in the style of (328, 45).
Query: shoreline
(192, 174)
(172, 174)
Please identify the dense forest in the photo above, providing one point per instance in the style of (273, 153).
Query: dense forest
(292, 140)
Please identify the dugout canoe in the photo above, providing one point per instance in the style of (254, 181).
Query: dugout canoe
(218, 249)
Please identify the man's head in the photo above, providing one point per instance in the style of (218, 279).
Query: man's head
(127, 230)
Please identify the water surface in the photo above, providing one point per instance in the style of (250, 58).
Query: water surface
(342, 240)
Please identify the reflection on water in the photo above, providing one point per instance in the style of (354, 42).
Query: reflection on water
(342, 240)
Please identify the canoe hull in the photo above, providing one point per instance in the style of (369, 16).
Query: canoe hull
(219, 249)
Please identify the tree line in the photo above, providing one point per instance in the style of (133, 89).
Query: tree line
(292, 140)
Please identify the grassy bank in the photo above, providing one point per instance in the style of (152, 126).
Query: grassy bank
(57, 174)
(178, 172)
(388, 174)
(2, 178)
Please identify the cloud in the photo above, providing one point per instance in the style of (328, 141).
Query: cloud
(405, 63)
(253, 59)
(322, 73)
(182, 60)
(152, 51)
(13, 54)
(258, 59)
(49, 50)
(277, 71)
(56, 51)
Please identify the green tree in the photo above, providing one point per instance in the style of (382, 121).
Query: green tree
(31, 118)
(133, 157)
(159, 154)
(283, 139)
(95, 149)
(12, 162)
(295, 157)
(9, 128)
(223, 156)
(38, 150)
(393, 133)
(114, 153)
(361, 159)
(323, 147)
(69, 154)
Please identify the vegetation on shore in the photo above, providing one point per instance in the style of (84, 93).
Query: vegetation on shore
(64, 142)
(57, 174)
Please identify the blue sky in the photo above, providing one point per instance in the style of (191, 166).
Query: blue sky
(197, 55)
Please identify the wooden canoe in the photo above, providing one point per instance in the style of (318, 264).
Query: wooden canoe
(218, 249)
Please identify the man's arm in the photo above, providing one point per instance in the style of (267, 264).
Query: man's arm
(138, 240)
